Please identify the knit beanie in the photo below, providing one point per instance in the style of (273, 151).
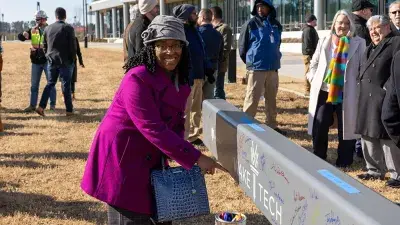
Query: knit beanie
(146, 6)
(164, 27)
(183, 11)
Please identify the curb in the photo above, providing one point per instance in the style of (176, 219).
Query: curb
(294, 92)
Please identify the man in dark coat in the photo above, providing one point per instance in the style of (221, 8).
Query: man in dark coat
(362, 10)
(200, 68)
(60, 47)
(214, 48)
(309, 41)
(391, 104)
(394, 14)
(149, 9)
(375, 71)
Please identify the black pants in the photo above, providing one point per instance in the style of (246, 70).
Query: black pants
(118, 216)
(322, 121)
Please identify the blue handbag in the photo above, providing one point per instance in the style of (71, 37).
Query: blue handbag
(179, 193)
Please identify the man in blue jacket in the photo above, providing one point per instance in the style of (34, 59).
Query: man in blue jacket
(214, 48)
(200, 68)
(259, 43)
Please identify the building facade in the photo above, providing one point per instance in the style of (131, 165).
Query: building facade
(112, 16)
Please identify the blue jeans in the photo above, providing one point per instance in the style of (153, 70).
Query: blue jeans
(65, 72)
(36, 74)
(219, 92)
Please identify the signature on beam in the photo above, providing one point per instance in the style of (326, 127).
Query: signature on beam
(296, 211)
(314, 194)
(280, 172)
(271, 184)
(298, 196)
(331, 218)
(263, 160)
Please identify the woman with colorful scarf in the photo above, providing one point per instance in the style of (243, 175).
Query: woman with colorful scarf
(333, 73)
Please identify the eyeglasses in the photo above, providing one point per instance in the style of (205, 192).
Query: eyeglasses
(340, 23)
(395, 12)
(164, 48)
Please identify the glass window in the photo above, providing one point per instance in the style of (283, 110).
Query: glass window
(387, 4)
(292, 13)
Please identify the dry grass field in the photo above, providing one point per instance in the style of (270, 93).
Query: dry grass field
(42, 159)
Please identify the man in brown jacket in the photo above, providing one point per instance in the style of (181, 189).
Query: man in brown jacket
(226, 33)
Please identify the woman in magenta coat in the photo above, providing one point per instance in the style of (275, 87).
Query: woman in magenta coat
(144, 123)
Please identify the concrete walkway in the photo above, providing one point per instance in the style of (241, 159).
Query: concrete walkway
(291, 63)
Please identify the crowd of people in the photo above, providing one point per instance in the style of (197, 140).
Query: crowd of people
(173, 63)
(352, 75)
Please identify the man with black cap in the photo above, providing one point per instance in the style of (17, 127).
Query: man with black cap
(362, 10)
(309, 40)
(259, 44)
(199, 67)
(149, 9)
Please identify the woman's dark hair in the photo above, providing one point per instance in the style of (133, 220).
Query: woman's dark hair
(147, 57)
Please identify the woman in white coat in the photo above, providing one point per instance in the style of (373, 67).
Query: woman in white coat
(333, 72)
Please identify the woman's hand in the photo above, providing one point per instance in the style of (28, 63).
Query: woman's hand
(209, 165)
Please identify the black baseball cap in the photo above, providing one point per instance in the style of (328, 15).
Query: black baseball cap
(361, 4)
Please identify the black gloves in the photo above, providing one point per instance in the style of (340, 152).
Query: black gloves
(210, 75)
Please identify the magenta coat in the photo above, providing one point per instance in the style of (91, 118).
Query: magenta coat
(144, 121)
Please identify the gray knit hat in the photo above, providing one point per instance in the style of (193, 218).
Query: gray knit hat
(164, 27)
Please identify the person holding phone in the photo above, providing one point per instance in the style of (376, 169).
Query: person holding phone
(333, 73)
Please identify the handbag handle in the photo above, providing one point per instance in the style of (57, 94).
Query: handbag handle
(194, 191)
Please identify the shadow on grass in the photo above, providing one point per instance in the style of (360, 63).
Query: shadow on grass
(25, 164)
(93, 100)
(47, 155)
(9, 110)
(11, 126)
(44, 206)
(10, 133)
(252, 219)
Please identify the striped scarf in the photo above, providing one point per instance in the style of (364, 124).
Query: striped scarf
(335, 75)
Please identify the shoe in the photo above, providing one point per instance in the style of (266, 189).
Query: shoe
(393, 183)
(69, 113)
(367, 176)
(198, 142)
(40, 111)
(29, 109)
(360, 154)
(280, 131)
(52, 108)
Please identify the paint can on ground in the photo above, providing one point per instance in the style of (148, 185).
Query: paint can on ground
(221, 221)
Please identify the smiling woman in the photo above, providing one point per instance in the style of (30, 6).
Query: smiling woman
(333, 69)
(143, 126)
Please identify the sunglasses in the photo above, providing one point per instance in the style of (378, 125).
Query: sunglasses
(395, 12)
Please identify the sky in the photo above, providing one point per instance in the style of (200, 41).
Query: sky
(16, 10)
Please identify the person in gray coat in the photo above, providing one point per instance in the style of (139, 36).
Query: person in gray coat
(375, 71)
